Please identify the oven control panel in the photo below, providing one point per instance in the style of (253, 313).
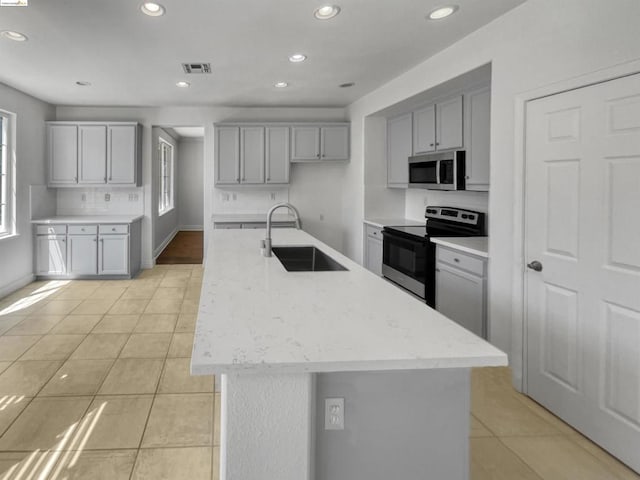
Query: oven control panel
(454, 214)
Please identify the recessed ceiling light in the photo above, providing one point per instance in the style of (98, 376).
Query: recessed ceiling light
(297, 58)
(326, 12)
(442, 12)
(82, 83)
(347, 85)
(281, 85)
(183, 84)
(15, 36)
(152, 9)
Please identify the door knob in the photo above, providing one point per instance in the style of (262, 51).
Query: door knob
(535, 265)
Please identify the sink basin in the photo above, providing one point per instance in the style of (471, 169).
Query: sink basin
(306, 259)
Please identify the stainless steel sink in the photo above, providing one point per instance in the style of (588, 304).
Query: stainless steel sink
(306, 259)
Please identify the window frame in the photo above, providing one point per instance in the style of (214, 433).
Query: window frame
(166, 164)
(8, 175)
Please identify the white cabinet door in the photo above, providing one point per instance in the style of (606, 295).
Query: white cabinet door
(93, 154)
(424, 130)
(374, 255)
(277, 154)
(123, 154)
(449, 124)
(252, 155)
(51, 254)
(83, 255)
(478, 123)
(398, 150)
(113, 255)
(305, 143)
(460, 296)
(227, 155)
(63, 154)
(334, 143)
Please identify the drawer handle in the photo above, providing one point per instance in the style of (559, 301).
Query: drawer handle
(113, 230)
(457, 260)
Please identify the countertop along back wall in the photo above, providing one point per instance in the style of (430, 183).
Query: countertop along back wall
(537, 44)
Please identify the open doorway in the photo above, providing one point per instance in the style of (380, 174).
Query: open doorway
(178, 194)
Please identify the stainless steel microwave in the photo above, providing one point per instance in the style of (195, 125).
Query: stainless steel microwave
(438, 171)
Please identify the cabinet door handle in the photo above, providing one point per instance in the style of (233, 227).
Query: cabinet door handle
(431, 144)
(457, 260)
(437, 269)
(318, 155)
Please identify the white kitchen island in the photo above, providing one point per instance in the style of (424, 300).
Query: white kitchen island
(284, 341)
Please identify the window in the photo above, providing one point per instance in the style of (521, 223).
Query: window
(166, 177)
(7, 183)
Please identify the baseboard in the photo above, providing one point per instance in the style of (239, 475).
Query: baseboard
(163, 245)
(191, 228)
(16, 285)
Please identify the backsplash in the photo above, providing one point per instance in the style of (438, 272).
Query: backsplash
(101, 201)
(248, 200)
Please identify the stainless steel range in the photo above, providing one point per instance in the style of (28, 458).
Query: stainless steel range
(409, 256)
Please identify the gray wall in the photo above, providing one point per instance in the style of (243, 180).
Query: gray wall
(190, 199)
(403, 425)
(16, 254)
(166, 224)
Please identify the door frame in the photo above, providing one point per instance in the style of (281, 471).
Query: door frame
(519, 319)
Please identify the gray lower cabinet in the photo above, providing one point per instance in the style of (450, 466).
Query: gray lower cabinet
(373, 249)
(461, 289)
(88, 251)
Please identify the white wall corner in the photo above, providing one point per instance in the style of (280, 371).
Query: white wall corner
(16, 285)
(163, 245)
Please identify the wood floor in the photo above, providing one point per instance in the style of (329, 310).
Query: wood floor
(185, 248)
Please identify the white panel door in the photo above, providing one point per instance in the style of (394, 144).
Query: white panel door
(277, 154)
(113, 255)
(398, 150)
(449, 124)
(123, 153)
(83, 254)
(334, 143)
(51, 254)
(582, 225)
(252, 155)
(305, 143)
(227, 155)
(63, 154)
(93, 154)
(424, 130)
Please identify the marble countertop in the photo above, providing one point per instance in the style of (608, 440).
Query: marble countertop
(77, 219)
(393, 222)
(254, 316)
(474, 245)
(250, 217)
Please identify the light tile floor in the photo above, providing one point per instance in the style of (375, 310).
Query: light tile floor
(95, 384)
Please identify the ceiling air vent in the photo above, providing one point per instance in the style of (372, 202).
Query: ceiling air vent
(196, 67)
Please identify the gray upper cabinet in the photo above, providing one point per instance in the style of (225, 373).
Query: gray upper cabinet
(305, 143)
(227, 155)
(319, 142)
(252, 155)
(63, 154)
(424, 130)
(334, 143)
(398, 150)
(93, 153)
(449, 124)
(123, 148)
(477, 130)
(277, 154)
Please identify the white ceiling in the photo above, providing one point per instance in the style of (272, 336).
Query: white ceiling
(189, 132)
(133, 59)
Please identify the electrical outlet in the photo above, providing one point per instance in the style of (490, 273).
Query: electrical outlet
(272, 196)
(233, 197)
(84, 197)
(334, 413)
(107, 197)
(321, 217)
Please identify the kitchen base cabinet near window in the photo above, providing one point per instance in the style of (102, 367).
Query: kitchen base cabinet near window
(88, 251)
(461, 289)
(373, 249)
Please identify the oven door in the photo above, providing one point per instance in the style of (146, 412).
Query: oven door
(404, 261)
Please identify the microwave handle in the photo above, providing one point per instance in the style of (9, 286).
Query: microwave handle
(438, 172)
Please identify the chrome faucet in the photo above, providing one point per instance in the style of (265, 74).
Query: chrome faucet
(266, 243)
